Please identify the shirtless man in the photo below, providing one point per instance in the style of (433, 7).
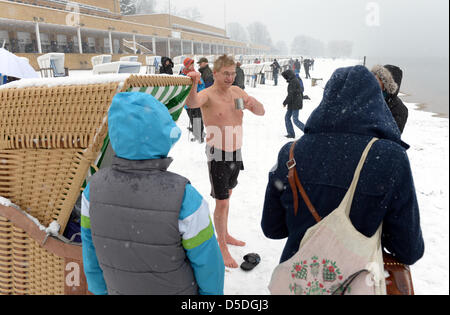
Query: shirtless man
(223, 124)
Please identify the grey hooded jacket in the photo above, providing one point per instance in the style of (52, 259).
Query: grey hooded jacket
(140, 249)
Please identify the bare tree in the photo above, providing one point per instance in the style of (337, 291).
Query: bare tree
(237, 32)
(280, 48)
(307, 46)
(259, 34)
(191, 13)
(340, 48)
(145, 6)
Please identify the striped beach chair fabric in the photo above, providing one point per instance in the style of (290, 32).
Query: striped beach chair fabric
(172, 96)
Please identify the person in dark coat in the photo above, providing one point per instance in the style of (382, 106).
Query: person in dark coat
(276, 70)
(297, 68)
(307, 65)
(294, 102)
(350, 115)
(205, 70)
(166, 66)
(390, 79)
(240, 77)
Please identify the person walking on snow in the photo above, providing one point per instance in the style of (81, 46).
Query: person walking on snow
(297, 68)
(307, 65)
(145, 230)
(294, 103)
(276, 70)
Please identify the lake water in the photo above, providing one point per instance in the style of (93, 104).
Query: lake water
(425, 81)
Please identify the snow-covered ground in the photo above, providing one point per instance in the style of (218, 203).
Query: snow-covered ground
(264, 137)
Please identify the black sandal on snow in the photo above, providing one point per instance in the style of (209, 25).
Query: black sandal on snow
(251, 261)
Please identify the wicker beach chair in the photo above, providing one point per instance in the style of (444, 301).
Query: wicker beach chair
(51, 137)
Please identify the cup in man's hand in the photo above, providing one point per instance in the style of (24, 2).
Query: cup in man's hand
(239, 102)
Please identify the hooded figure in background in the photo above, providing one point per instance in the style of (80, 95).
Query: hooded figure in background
(294, 102)
(390, 79)
(351, 114)
(240, 76)
(145, 230)
(166, 66)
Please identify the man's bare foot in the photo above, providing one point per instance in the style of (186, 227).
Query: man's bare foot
(227, 259)
(232, 241)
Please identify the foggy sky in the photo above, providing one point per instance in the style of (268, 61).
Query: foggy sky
(406, 27)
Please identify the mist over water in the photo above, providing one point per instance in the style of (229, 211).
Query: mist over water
(425, 80)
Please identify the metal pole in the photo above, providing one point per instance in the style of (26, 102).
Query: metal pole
(110, 43)
(80, 44)
(154, 45)
(168, 47)
(38, 38)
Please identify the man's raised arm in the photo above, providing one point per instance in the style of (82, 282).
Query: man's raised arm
(194, 99)
(254, 106)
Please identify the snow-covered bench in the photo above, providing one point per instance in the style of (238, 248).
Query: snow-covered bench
(117, 67)
(129, 58)
(59, 138)
(98, 60)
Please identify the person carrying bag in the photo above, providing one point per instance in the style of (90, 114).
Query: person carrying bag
(357, 197)
(334, 258)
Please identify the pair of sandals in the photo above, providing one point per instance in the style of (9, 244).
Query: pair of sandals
(250, 262)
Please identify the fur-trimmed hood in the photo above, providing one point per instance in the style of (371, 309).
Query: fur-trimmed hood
(391, 76)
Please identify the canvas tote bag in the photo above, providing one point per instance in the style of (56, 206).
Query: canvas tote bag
(334, 258)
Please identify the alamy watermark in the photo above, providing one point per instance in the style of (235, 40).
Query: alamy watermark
(73, 18)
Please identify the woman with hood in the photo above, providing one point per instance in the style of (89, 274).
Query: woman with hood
(390, 79)
(351, 114)
(166, 66)
(294, 102)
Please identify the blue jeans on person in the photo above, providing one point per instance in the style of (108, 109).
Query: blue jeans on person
(275, 78)
(297, 122)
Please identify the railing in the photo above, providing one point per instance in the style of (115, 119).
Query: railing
(131, 45)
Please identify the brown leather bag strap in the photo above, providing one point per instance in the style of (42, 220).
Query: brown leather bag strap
(296, 185)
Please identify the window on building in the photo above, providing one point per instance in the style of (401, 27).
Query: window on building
(61, 43)
(4, 39)
(161, 47)
(187, 47)
(175, 48)
(24, 43)
(206, 49)
(197, 48)
(90, 46)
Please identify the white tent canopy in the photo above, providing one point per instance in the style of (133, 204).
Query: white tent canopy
(13, 66)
